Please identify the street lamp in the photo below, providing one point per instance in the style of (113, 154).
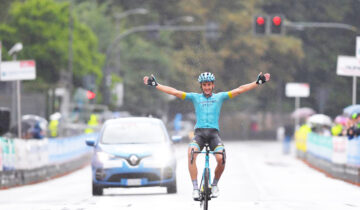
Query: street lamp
(13, 52)
(16, 48)
(188, 19)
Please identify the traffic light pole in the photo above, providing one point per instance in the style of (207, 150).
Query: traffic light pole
(302, 25)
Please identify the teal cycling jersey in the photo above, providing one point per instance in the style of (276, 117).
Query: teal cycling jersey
(207, 110)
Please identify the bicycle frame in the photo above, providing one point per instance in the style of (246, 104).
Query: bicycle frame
(204, 193)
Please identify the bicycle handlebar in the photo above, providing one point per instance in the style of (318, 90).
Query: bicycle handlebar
(211, 152)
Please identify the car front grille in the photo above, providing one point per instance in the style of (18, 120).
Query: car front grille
(148, 176)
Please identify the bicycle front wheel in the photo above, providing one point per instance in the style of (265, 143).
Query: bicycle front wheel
(206, 188)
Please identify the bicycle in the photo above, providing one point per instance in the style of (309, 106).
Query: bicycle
(205, 185)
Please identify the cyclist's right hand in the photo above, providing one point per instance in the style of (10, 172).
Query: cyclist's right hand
(151, 81)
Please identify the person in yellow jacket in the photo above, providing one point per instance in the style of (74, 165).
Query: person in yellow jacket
(53, 127)
(54, 124)
(92, 123)
(336, 130)
(301, 137)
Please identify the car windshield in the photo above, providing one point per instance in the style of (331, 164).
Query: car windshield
(133, 133)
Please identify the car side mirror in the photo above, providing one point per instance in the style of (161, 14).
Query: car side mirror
(90, 142)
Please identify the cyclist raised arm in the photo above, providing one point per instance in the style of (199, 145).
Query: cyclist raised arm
(243, 88)
(151, 81)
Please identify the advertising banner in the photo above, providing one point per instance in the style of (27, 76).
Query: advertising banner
(339, 149)
(297, 89)
(18, 70)
(348, 66)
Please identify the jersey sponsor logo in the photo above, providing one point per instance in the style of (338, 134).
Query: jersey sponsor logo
(208, 102)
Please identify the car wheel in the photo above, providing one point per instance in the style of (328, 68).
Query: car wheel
(171, 188)
(97, 190)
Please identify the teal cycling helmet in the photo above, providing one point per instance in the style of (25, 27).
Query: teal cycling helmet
(206, 77)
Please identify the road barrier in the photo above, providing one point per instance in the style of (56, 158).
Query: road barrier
(337, 156)
(30, 161)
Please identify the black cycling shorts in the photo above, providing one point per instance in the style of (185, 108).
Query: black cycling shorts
(207, 135)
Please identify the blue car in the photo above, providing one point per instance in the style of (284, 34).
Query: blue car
(133, 152)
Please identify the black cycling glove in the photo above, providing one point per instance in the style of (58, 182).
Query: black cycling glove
(260, 79)
(152, 81)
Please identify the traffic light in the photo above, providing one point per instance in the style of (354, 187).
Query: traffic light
(276, 24)
(90, 95)
(260, 25)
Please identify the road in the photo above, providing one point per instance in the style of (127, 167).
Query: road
(257, 176)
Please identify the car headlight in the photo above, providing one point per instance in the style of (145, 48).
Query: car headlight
(103, 156)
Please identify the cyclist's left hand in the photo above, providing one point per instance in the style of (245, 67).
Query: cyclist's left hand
(146, 78)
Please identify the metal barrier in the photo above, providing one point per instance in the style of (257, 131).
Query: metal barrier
(337, 156)
(28, 161)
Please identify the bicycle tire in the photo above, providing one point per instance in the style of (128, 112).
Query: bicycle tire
(206, 189)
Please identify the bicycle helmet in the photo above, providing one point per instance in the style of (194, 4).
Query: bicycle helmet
(206, 77)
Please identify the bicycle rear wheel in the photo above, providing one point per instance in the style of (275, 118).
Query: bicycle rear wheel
(206, 188)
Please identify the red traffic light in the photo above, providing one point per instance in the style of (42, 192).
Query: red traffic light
(90, 95)
(260, 20)
(276, 20)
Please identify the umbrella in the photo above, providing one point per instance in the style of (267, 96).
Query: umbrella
(302, 112)
(341, 120)
(320, 119)
(34, 119)
(352, 109)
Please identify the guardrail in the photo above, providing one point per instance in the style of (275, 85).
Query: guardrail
(28, 161)
(337, 156)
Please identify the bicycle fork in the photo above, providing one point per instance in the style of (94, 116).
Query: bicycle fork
(205, 180)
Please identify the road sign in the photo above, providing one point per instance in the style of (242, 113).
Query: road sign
(348, 66)
(18, 70)
(357, 54)
(297, 90)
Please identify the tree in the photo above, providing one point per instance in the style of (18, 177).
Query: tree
(43, 28)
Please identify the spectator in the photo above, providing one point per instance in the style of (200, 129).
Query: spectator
(336, 130)
(92, 124)
(289, 130)
(353, 127)
(37, 132)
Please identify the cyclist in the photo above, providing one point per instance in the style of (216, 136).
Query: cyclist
(207, 109)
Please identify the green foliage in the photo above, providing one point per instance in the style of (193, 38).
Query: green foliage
(95, 16)
(43, 28)
(5, 5)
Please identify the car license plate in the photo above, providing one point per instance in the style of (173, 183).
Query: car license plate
(134, 182)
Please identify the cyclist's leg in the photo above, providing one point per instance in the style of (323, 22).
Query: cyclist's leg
(220, 165)
(196, 144)
(217, 145)
(192, 166)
